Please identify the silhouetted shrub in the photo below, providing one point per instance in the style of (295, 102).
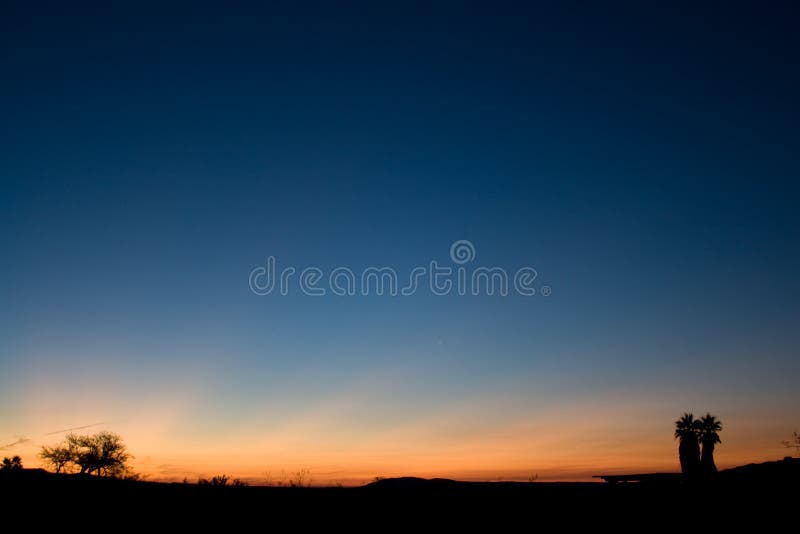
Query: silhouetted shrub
(12, 464)
(218, 481)
(302, 479)
(793, 443)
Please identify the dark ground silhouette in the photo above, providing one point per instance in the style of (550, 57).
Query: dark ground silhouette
(762, 492)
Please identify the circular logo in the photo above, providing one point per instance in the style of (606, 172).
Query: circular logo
(462, 251)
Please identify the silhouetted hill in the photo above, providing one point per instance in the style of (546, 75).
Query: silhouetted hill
(408, 483)
(780, 472)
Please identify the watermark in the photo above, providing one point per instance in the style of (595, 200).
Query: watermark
(438, 279)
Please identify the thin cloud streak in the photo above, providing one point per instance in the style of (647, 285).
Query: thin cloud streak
(74, 428)
(19, 441)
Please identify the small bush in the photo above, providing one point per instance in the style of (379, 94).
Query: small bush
(217, 481)
(12, 464)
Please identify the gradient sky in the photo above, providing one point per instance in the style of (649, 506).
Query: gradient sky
(643, 160)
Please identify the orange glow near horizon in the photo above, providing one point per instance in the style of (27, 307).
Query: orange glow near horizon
(486, 437)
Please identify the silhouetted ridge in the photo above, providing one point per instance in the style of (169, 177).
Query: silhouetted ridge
(410, 482)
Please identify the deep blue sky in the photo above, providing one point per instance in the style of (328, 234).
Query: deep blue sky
(643, 159)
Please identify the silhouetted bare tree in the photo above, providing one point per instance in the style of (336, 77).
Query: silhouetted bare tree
(101, 454)
(59, 457)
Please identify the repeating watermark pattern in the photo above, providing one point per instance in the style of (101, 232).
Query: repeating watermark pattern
(440, 280)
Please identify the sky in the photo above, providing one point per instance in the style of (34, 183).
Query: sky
(643, 159)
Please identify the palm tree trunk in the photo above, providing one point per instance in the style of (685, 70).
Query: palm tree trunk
(707, 458)
(689, 455)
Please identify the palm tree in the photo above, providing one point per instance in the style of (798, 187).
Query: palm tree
(710, 427)
(687, 431)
